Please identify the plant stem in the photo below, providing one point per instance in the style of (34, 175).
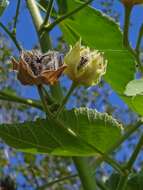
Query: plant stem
(12, 37)
(60, 19)
(85, 174)
(65, 99)
(128, 10)
(16, 17)
(13, 98)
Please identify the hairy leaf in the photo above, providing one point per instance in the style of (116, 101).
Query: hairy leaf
(86, 131)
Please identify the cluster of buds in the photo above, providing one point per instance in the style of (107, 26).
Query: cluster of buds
(131, 2)
(83, 66)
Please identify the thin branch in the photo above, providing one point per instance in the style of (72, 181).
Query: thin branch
(44, 103)
(57, 181)
(49, 10)
(12, 98)
(41, 7)
(128, 10)
(65, 99)
(13, 38)
(16, 16)
(139, 39)
(60, 19)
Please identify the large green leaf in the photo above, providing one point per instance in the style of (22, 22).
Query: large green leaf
(101, 32)
(84, 130)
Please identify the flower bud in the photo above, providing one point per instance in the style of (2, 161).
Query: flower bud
(84, 67)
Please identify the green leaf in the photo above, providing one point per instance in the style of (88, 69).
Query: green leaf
(134, 87)
(102, 33)
(82, 127)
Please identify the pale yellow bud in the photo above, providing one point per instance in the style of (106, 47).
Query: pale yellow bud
(85, 67)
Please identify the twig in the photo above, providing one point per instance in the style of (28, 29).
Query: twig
(13, 98)
(60, 19)
(13, 38)
(139, 39)
(128, 10)
(49, 10)
(16, 17)
(45, 106)
(65, 99)
(57, 181)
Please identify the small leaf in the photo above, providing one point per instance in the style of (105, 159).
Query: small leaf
(134, 87)
(82, 127)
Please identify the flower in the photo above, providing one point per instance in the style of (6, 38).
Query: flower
(36, 68)
(131, 2)
(84, 66)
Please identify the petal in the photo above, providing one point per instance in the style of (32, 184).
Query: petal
(15, 64)
(72, 58)
(25, 75)
(51, 77)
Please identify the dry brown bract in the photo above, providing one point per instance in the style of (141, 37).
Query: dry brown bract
(35, 68)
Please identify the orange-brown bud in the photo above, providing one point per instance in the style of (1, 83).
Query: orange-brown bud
(35, 68)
